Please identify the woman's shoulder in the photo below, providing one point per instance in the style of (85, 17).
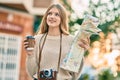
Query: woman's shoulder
(68, 37)
(38, 36)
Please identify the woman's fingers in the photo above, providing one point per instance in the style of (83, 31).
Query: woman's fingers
(81, 44)
(25, 40)
(26, 45)
(84, 43)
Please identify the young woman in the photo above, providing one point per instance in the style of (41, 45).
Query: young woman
(52, 43)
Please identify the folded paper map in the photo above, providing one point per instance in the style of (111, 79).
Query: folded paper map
(74, 57)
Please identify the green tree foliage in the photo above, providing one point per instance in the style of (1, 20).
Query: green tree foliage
(37, 21)
(105, 74)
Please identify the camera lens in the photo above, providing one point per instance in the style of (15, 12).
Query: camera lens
(46, 72)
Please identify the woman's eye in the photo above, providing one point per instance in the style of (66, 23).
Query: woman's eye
(49, 13)
(56, 14)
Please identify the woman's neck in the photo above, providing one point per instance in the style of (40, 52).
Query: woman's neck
(54, 32)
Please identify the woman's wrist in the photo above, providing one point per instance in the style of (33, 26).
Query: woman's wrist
(29, 53)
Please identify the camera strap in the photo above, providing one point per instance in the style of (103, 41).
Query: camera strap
(40, 52)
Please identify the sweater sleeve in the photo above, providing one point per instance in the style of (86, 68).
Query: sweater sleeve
(31, 65)
(31, 62)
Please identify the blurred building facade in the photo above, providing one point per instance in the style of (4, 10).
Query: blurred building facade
(16, 21)
(13, 28)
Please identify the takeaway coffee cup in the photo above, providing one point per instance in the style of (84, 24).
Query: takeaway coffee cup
(31, 42)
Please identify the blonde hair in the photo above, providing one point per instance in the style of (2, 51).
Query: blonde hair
(43, 28)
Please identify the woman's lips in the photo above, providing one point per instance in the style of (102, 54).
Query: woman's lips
(52, 21)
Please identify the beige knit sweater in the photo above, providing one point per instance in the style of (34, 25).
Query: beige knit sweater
(50, 56)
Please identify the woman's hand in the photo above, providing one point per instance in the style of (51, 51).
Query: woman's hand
(26, 45)
(84, 43)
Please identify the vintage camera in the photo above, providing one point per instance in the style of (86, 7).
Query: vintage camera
(48, 74)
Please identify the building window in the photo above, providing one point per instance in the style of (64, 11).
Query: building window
(10, 54)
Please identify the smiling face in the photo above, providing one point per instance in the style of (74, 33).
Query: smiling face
(53, 18)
